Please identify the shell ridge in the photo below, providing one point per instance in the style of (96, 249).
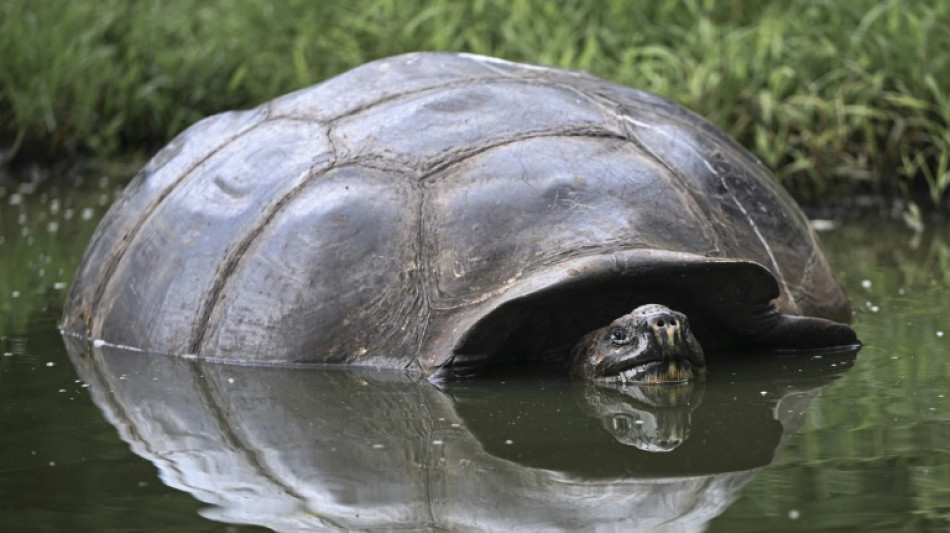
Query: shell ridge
(117, 255)
(735, 200)
(434, 171)
(405, 95)
(233, 256)
(711, 236)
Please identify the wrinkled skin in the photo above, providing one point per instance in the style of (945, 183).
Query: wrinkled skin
(650, 345)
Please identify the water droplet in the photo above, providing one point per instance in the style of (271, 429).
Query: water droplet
(230, 380)
(940, 334)
(378, 446)
(794, 514)
(86, 213)
(437, 442)
(866, 284)
(509, 441)
(50, 363)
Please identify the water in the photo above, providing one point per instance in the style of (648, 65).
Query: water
(101, 440)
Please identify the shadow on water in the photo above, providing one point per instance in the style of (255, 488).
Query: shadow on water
(357, 449)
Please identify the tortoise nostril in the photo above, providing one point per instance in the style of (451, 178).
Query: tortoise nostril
(663, 320)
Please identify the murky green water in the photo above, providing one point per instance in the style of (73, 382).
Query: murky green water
(102, 440)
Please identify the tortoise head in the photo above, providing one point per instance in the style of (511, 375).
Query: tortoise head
(652, 344)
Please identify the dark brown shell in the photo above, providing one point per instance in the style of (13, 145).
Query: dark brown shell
(422, 210)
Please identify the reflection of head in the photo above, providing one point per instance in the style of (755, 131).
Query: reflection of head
(653, 418)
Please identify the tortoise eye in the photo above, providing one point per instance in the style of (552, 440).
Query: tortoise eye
(618, 336)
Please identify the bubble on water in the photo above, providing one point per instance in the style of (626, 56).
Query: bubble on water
(15, 294)
(62, 390)
(378, 446)
(437, 442)
(86, 213)
(764, 392)
(50, 363)
(59, 285)
(509, 441)
(820, 224)
(794, 514)
(866, 284)
(940, 334)
(230, 380)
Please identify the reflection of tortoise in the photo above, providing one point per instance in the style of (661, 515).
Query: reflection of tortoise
(438, 211)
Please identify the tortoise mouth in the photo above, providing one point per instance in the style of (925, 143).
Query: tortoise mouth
(655, 371)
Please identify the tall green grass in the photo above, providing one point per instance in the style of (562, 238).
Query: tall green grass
(837, 97)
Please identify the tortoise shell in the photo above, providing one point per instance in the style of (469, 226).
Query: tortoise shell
(437, 211)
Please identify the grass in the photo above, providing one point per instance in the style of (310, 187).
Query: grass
(836, 97)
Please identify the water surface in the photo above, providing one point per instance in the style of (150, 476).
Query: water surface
(96, 439)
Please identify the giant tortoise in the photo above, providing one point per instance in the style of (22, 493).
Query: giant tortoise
(441, 212)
